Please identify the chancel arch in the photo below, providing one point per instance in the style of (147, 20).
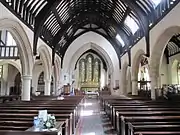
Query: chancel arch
(101, 53)
(95, 41)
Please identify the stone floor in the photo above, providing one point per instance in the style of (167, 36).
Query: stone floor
(93, 120)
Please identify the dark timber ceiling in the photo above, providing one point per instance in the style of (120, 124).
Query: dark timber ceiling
(173, 46)
(60, 22)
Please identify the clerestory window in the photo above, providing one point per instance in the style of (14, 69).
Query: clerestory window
(155, 2)
(130, 22)
(118, 37)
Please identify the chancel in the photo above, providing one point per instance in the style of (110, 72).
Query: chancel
(93, 67)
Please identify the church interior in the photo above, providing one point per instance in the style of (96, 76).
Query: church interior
(89, 67)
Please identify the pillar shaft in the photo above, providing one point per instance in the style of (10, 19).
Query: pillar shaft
(154, 85)
(47, 90)
(134, 87)
(26, 88)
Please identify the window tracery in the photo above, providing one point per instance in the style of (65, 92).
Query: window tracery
(89, 71)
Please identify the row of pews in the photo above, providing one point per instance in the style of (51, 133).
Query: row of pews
(140, 116)
(16, 117)
(4, 99)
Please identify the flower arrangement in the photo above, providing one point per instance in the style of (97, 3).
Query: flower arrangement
(50, 122)
(46, 122)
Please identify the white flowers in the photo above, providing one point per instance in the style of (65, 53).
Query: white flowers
(48, 124)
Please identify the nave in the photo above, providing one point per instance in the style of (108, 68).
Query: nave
(103, 115)
(93, 120)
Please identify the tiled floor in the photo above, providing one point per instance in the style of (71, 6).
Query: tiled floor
(93, 121)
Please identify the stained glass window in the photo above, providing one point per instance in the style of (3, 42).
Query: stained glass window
(82, 70)
(89, 67)
(96, 70)
(89, 72)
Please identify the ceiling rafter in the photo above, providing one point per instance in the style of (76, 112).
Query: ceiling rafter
(57, 21)
(40, 19)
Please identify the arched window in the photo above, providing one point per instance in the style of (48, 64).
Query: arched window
(89, 72)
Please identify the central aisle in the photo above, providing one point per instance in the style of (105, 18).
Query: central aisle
(93, 120)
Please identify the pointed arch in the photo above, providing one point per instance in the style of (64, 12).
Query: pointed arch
(23, 44)
(136, 61)
(46, 60)
(158, 49)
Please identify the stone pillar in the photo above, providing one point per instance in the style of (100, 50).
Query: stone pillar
(47, 89)
(26, 87)
(154, 85)
(169, 75)
(129, 85)
(134, 87)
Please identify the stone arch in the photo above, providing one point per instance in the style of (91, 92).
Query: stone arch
(158, 49)
(100, 41)
(8, 82)
(46, 60)
(135, 64)
(23, 44)
(124, 78)
(95, 47)
(37, 69)
(15, 64)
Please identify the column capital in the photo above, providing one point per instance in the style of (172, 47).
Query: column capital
(26, 77)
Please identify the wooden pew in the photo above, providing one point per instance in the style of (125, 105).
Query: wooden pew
(28, 115)
(145, 108)
(4, 99)
(158, 133)
(134, 127)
